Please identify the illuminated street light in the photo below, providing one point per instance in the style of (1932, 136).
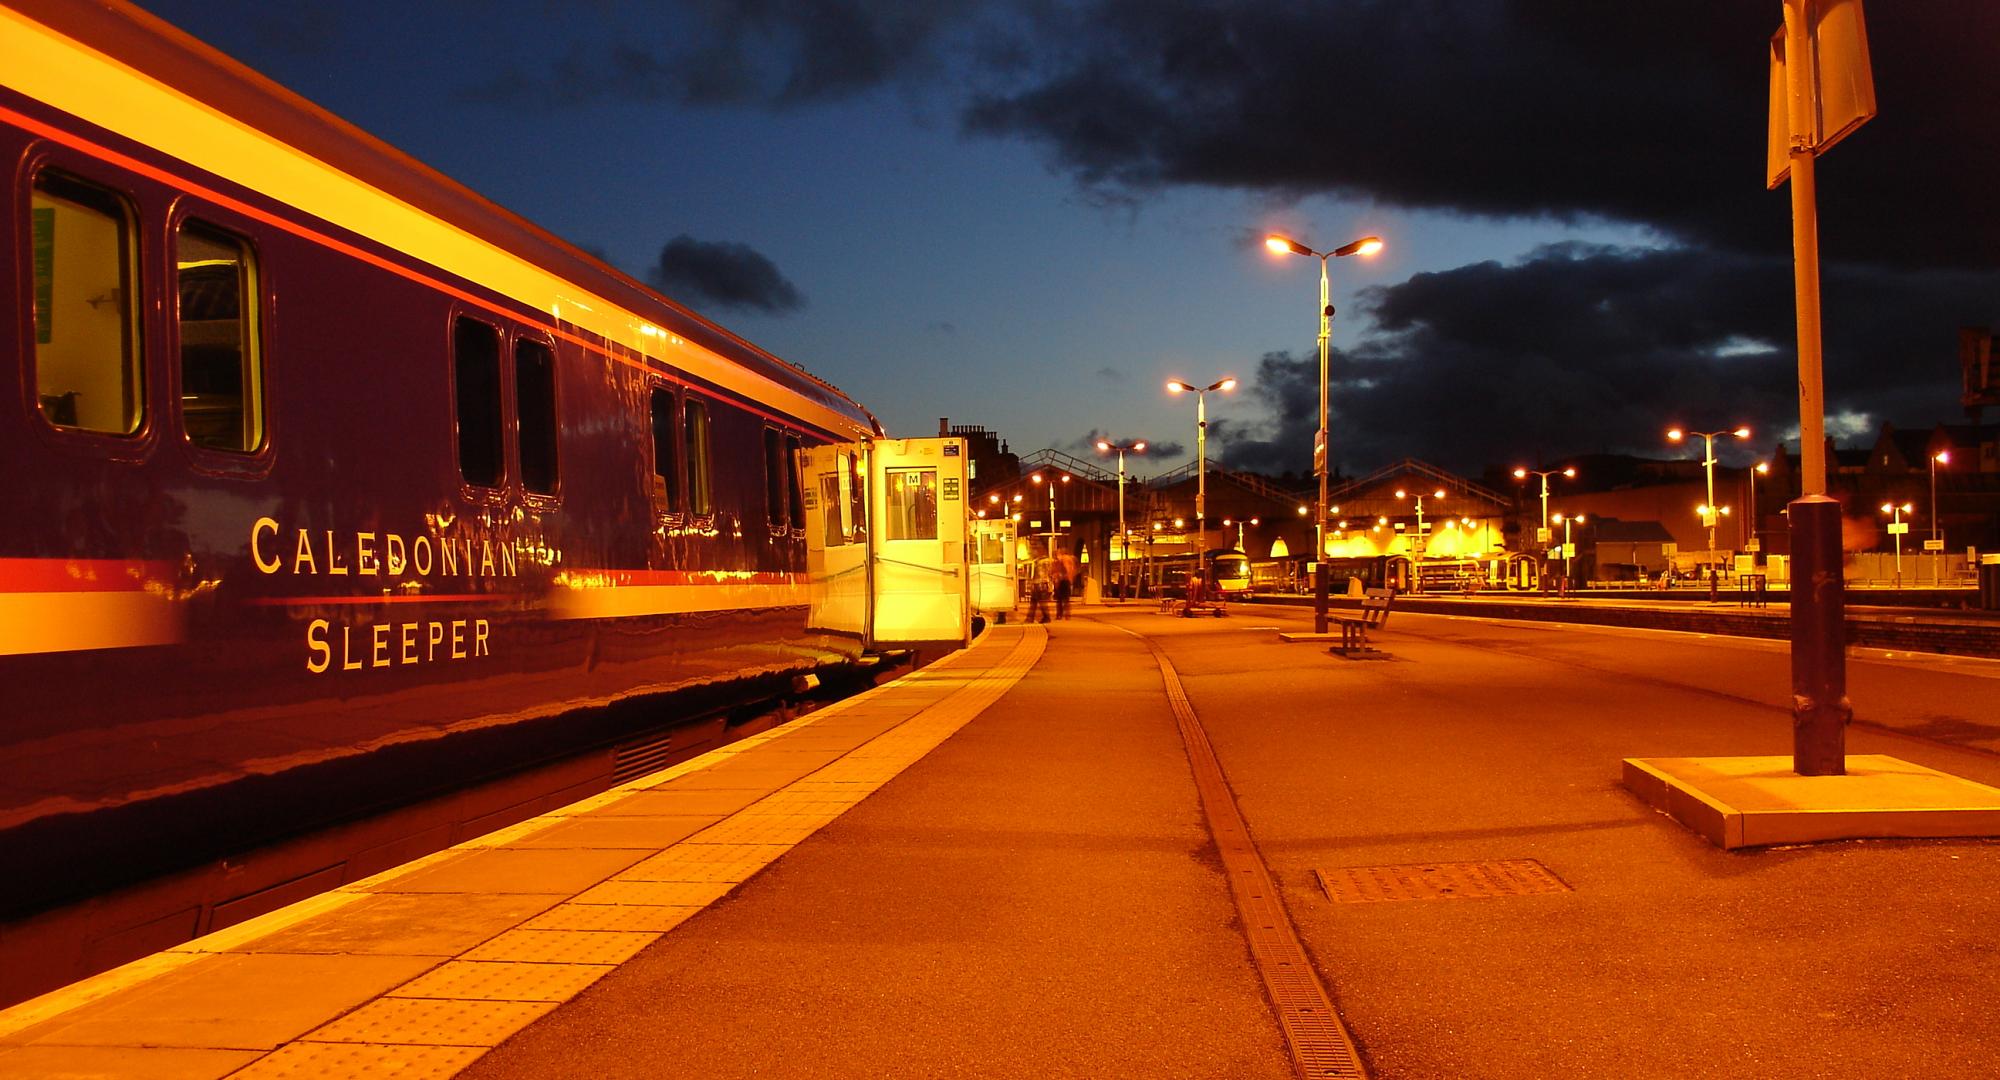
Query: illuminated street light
(1064, 478)
(1239, 530)
(1285, 245)
(1942, 457)
(1176, 386)
(1708, 470)
(1762, 467)
(1105, 446)
(1897, 528)
(1438, 495)
(1568, 548)
(1524, 473)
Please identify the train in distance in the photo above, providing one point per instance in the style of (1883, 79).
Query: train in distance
(334, 487)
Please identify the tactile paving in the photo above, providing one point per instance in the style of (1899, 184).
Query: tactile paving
(668, 893)
(563, 946)
(652, 918)
(432, 1022)
(1439, 881)
(359, 1061)
(497, 981)
(696, 861)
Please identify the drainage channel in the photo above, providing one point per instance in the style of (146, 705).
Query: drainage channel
(1320, 1043)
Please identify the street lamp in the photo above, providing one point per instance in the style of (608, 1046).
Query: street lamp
(1942, 457)
(1524, 473)
(1105, 446)
(1176, 386)
(1756, 519)
(1568, 549)
(1896, 529)
(1708, 470)
(1438, 495)
(1052, 481)
(1285, 245)
(1239, 530)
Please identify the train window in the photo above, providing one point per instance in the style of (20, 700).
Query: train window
(535, 408)
(666, 474)
(833, 507)
(86, 337)
(222, 381)
(794, 494)
(774, 477)
(911, 504)
(694, 446)
(475, 349)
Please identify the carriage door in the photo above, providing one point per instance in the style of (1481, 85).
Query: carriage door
(830, 489)
(916, 542)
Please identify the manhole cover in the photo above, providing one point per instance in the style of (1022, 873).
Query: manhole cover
(1438, 881)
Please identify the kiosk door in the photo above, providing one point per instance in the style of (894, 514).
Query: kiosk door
(832, 481)
(916, 539)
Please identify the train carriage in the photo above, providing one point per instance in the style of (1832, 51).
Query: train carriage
(333, 486)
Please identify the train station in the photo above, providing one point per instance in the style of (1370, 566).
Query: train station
(434, 644)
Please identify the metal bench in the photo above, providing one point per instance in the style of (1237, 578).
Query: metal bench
(1373, 614)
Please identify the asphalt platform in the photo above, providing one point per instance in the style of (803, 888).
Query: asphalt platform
(1007, 865)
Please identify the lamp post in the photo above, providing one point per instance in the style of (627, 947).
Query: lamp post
(1052, 481)
(1105, 446)
(1708, 470)
(1176, 386)
(1283, 245)
(1438, 495)
(1756, 519)
(1936, 546)
(1524, 473)
(1566, 520)
(1239, 530)
(1897, 528)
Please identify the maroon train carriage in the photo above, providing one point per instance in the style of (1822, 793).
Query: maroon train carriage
(332, 487)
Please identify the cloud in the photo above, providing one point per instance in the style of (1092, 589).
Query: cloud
(1085, 447)
(770, 53)
(1580, 348)
(1111, 374)
(723, 275)
(1530, 109)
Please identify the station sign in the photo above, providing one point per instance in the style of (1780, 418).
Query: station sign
(1569, 551)
(1753, 545)
(1897, 528)
(1933, 545)
(1542, 535)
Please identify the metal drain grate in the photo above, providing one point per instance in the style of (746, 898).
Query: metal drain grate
(1438, 881)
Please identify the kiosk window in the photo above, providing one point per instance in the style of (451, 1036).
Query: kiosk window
(86, 340)
(911, 502)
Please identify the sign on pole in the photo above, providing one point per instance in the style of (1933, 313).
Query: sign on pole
(1933, 545)
(1838, 71)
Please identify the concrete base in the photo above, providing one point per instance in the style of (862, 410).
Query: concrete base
(1758, 801)
(1294, 638)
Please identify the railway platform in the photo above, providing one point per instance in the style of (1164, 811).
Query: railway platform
(1131, 845)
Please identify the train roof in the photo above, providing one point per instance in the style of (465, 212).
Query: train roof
(175, 59)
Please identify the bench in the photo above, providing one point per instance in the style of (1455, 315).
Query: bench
(1373, 614)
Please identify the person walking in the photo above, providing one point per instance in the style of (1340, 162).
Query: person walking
(1038, 593)
(1062, 572)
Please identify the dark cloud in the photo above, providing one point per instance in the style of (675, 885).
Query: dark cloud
(723, 276)
(774, 53)
(1579, 348)
(1563, 109)
(1111, 374)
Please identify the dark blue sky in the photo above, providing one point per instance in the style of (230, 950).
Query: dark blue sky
(1029, 214)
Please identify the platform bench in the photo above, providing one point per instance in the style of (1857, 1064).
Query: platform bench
(1373, 614)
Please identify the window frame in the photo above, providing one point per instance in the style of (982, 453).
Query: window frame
(666, 490)
(478, 493)
(208, 459)
(777, 503)
(700, 490)
(130, 446)
(512, 416)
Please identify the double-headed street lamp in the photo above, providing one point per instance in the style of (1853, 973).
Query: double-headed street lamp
(1708, 511)
(1524, 473)
(1283, 245)
(1052, 481)
(1897, 528)
(1239, 530)
(1106, 446)
(1568, 548)
(1756, 543)
(1942, 457)
(1438, 495)
(1176, 386)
